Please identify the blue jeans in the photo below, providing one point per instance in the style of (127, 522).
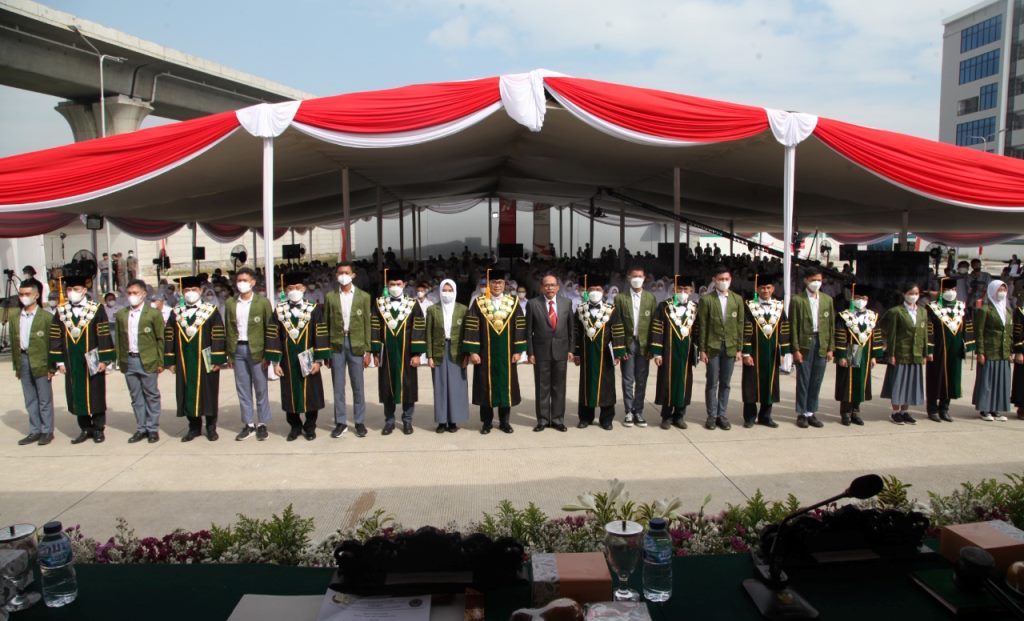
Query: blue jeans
(250, 376)
(719, 376)
(809, 375)
(340, 360)
(145, 396)
(38, 398)
(634, 379)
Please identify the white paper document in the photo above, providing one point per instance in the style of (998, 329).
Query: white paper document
(342, 607)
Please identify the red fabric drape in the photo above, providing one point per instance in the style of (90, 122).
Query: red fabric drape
(278, 232)
(223, 233)
(968, 240)
(63, 173)
(399, 109)
(660, 113)
(27, 223)
(938, 170)
(149, 230)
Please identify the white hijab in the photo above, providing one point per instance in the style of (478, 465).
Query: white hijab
(448, 310)
(1000, 305)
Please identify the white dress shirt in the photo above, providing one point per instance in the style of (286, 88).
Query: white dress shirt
(636, 313)
(912, 310)
(346, 297)
(723, 299)
(242, 316)
(815, 301)
(134, 314)
(26, 326)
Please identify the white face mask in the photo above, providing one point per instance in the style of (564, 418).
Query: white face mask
(961, 270)
(521, 294)
(135, 300)
(395, 291)
(191, 297)
(447, 297)
(421, 294)
(75, 297)
(345, 279)
(911, 298)
(860, 304)
(949, 295)
(295, 295)
(52, 303)
(596, 297)
(1000, 295)
(813, 286)
(723, 285)
(243, 286)
(636, 283)
(27, 300)
(110, 304)
(154, 306)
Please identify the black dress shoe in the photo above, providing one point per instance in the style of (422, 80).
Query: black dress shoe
(190, 435)
(679, 423)
(138, 436)
(666, 423)
(486, 429)
(45, 439)
(813, 421)
(506, 428)
(386, 431)
(768, 422)
(844, 419)
(360, 430)
(582, 425)
(934, 416)
(945, 416)
(309, 435)
(339, 430)
(540, 427)
(723, 423)
(709, 424)
(801, 422)
(747, 423)
(856, 419)
(153, 437)
(211, 435)
(82, 437)
(98, 437)
(31, 438)
(559, 427)
(441, 428)
(606, 426)
(293, 435)
(452, 427)
(407, 428)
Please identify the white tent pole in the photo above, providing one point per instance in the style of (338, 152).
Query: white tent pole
(415, 249)
(789, 174)
(293, 236)
(254, 249)
(419, 230)
(94, 246)
(904, 231)
(687, 234)
(591, 257)
(490, 227)
(572, 220)
(195, 233)
(561, 228)
(268, 216)
(622, 236)
(346, 207)
(380, 232)
(676, 199)
(401, 230)
(110, 255)
(309, 251)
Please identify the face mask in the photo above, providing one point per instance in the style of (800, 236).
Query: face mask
(447, 297)
(295, 295)
(723, 285)
(636, 283)
(813, 286)
(345, 280)
(911, 298)
(395, 291)
(75, 297)
(110, 304)
(135, 300)
(860, 304)
(27, 300)
(191, 297)
(521, 294)
(153, 306)
(1000, 295)
(949, 295)
(244, 286)
(596, 297)
(52, 303)
(421, 294)
(961, 270)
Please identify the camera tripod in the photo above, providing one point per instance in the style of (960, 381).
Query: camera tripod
(5, 310)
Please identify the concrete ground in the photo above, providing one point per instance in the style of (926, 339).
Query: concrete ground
(428, 478)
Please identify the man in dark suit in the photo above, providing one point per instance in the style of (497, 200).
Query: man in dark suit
(550, 345)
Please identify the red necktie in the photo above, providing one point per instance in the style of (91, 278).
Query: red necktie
(552, 316)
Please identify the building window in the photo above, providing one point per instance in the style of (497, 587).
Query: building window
(981, 33)
(987, 98)
(981, 131)
(980, 66)
(967, 106)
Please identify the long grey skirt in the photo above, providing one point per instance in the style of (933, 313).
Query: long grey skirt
(992, 387)
(904, 384)
(451, 390)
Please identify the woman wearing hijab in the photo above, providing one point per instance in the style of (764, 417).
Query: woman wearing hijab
(447, 365)
(908, 347)
(993, 325)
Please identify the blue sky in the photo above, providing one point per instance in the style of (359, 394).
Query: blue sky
(871, 62)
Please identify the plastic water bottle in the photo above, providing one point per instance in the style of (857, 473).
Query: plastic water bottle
(657, 562)
(60, 587)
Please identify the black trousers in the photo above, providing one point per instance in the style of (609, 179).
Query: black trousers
(96, 422)
(195, 423)
(607, 414)
(751, 412)
(295, 420)
(668, 411)
(847, 407)
(487, 415)
(937, 405)
(549, 391)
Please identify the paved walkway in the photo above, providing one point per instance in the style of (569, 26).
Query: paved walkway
(427, 478)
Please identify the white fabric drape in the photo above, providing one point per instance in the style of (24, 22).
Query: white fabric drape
(522, 94)
(268, 120)
(791, 128)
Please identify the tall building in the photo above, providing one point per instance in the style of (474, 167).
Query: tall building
(982, 97)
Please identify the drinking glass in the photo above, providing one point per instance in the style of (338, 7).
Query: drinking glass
(19, 574)
(622, 547)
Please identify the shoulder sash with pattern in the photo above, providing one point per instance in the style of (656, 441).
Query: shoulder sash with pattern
(592, 325)
(681, 318)
(297, 323)
(77, 327)
(203, 312)
(395, 324)
(497, 318)
(860, 326)
(766, 322)
(952, 317)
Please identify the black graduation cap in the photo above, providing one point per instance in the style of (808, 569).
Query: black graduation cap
(685, 280)
(187, 282)
(75, 280)
(947, 283)
(394, 273)
(295, 278)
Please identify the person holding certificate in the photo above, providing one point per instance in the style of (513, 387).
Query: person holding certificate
(298, 343)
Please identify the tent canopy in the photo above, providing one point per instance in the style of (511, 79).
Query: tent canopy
(537, 136)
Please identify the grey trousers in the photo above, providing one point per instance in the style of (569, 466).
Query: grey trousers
(634, 379)
(145, 394)
(719, 376)
(809, 375)
(250, 377)
(38, 393)
(340, 360)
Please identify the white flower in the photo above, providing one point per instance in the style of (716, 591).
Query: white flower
(392, 324)
(591, 332)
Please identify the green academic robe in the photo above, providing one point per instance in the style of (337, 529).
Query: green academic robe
(858, 341)
(674, 338)
(197, 381)
(594, 334)
(75, 332)
(953, 338)
(495, 328)
(290, 334)
(397, 333)
(765, 340)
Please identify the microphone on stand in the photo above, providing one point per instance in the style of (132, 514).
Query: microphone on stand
(775, 600)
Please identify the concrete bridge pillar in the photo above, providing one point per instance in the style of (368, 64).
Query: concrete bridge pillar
(124, 114)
